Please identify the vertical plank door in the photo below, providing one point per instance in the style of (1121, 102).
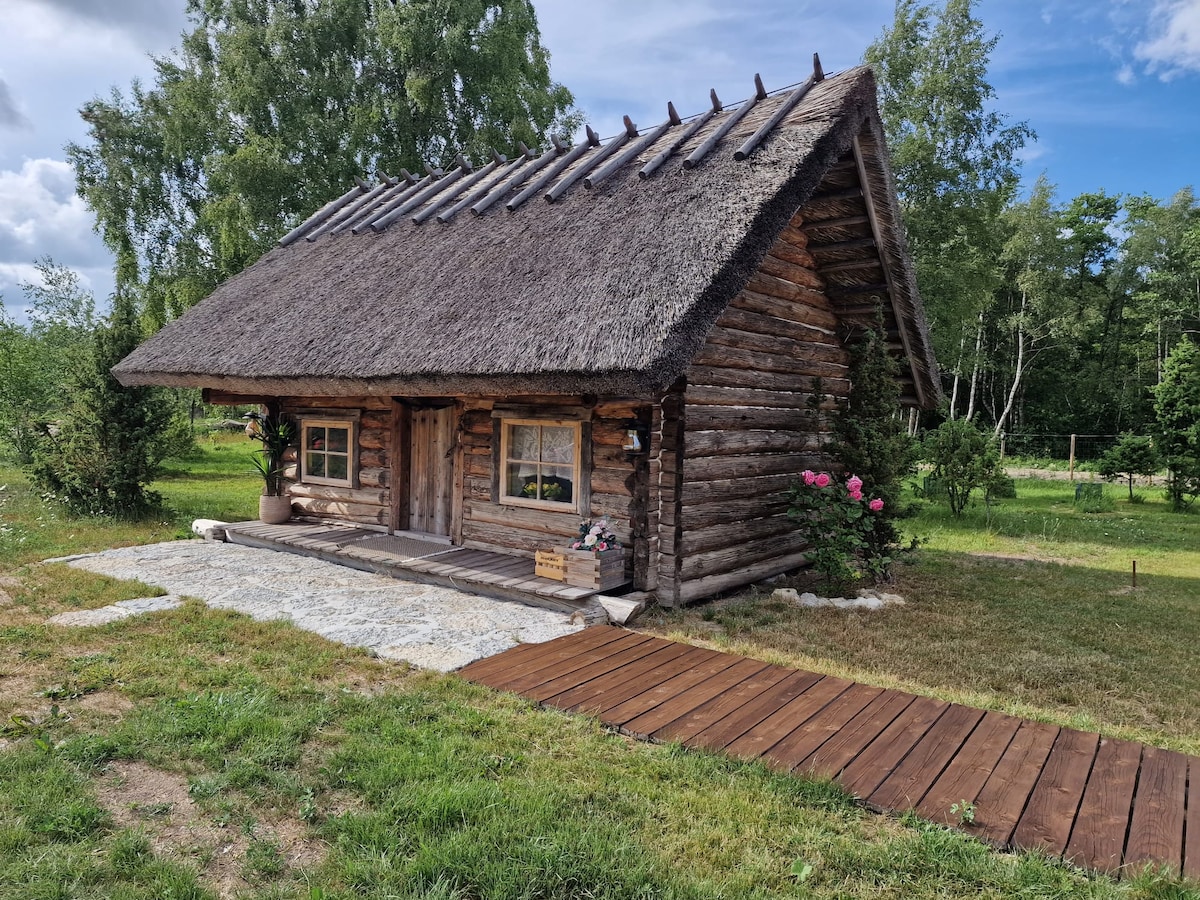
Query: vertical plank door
(431, 467)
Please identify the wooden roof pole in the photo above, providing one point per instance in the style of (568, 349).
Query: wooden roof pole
(319, 216)
(613, 146)
(592, 140)
(475, 196)
(786, 107)
(558, 149)
(475, 178)
(635, 150)
(653, 166)
(760, 93)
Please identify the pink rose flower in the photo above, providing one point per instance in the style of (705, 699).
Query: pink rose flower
(856, 495)
(822, 480)
(602, 546)
(854, 485)
(875, 505)
(809, 476)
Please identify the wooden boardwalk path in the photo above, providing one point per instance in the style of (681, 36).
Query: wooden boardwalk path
(1099, 803)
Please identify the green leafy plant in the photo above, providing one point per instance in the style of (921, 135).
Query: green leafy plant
(276, 433)
(835, 521)
(1132, 455)
(964, 460)
(1177, 409)
(965, 811)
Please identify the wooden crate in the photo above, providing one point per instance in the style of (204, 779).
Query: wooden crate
(597, 571)
(550, 564)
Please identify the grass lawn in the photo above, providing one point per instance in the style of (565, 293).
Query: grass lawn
(198, 754)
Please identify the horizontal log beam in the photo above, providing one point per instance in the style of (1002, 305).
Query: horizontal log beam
(800, 350)
(713, 418)
(348, 495)
(820, 318)
(840, 222)
(741, 443)
(737, 318)
(729, 357)
(720, 468)
(725, 376)
(696, 589)
(763, 283)
(741, 397)
(837, 246)
(727, 559)
(789, 252)
(851, 265)
(800, 275)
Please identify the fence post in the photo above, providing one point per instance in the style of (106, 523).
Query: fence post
(1072, 457)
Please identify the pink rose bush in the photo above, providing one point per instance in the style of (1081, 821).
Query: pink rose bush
(835, 520)
(595, 536)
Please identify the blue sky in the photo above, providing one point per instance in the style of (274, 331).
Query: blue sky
(1112, 87)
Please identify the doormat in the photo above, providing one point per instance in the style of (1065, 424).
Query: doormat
(404, 546)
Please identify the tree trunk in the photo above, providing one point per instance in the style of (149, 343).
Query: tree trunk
(1018, 371)
(975, 368)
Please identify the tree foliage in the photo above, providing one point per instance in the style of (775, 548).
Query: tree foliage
(35, 360)
(1132, 455)
(111, 439)
(871, 441)
(954, 159)
(1177, 408)
(269, 109)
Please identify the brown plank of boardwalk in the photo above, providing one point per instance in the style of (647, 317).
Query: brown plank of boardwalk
(1104, 804)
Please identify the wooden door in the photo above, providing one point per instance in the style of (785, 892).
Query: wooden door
(431, 471)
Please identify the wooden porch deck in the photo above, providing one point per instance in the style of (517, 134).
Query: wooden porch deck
(1096, 802)
(419, 558)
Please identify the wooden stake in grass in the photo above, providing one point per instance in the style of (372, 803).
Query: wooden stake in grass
(1135, 573)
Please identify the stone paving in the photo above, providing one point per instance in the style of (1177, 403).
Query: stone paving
(428, 626)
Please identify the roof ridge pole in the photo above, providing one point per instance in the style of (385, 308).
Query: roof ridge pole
(784, 108)
(319, 216)
(635, 150)
(713, 139)
(651, 167)
(475, 178)
(613, 146)
(391, 204)
(521, 176)
(381, 222)
(352, 210)
(557, 169)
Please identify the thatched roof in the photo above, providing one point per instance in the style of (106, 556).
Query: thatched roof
(404, 289)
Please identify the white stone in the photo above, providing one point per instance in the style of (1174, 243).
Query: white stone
(209, 529)
(426, 625)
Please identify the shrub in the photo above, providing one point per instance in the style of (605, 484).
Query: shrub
(964, 460)
(1131, 456)
(112, 439)
(836, 522)
(871, 440)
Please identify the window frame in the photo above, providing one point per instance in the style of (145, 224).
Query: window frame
(349, 423)
(570, 506)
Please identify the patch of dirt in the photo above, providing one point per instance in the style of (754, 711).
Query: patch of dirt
(158, 803)
(22, 694)
(109, 703)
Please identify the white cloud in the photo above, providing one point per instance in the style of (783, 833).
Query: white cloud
(1173, 47)
(1125, 75)
(39, 210)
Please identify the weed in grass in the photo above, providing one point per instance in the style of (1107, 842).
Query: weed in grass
(963, 811)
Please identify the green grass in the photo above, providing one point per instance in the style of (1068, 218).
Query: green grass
(304, 769)
(213, 482)
(1027, 607)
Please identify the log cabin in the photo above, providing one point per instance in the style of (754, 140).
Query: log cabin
(629, 328)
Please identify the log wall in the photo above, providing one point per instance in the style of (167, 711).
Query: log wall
(618, 485)
(750, 424)
(369, 503)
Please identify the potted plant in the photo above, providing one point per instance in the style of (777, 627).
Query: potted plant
(596, 558)
(276, 433)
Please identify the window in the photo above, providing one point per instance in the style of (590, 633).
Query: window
(328, 454)
(540, 463)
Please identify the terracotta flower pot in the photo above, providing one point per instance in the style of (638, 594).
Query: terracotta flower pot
(274, 510)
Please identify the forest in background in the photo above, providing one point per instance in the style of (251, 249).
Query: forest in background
(1049, 315)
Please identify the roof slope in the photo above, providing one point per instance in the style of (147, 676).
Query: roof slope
(609, 289)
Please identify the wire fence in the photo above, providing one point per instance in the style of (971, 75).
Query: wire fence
(1066, 448)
